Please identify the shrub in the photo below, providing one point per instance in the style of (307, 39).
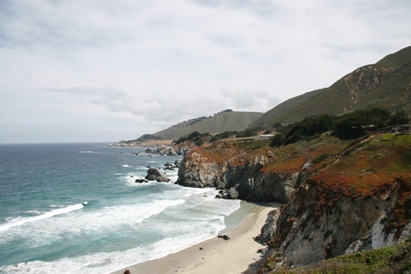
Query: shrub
(278, 140)
(246, 133)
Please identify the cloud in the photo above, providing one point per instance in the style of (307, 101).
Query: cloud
(160, 62)
(156, 109)
(111, 99)
(250, 100)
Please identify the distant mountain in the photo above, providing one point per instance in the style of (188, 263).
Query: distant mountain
(386, 84)
(224, 121)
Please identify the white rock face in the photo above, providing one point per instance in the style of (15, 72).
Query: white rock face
(308, 231)
(379, 239)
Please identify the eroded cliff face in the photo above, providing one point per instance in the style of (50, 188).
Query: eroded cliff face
(196, 170)
(357, 200)
(253, 184)
(321, 223)
(244, 174)
(365, 80)
(318, 225)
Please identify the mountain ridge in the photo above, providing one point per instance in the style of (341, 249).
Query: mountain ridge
(386, 84)
(226, 120)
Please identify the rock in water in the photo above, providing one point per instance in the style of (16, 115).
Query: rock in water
(154, 174)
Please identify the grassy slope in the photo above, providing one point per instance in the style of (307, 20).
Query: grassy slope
(395, 60)
(226, 121)
(287, 159)
(391, 259)
(266, 119)
(386, 84)
(396, 91)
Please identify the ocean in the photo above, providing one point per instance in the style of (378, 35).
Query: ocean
(75, 208)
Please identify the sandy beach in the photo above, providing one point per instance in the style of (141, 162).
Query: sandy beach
(214, 255)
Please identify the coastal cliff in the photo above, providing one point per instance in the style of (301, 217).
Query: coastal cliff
(341, 196)
(242, 170)
(322, 223)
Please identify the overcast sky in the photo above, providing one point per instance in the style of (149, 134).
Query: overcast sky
(103, 70)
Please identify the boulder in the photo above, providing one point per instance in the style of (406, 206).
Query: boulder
(154, 174)
(225, 237)
(141, 180)
(183, 151)
(230, 193)
(149, 151)
(171, 152)
(163, 150)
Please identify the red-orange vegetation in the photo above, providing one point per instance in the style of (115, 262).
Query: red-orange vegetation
(365, 167)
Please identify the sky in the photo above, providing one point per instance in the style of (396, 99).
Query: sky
(104, 71)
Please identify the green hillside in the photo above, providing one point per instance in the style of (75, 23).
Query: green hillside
(385, 84)
(221, 122)
(267, 118)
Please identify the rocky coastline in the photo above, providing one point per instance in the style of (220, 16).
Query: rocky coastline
(339, 197)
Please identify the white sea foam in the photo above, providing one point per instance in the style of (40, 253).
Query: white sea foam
(20, 221)
(87, 223)
(174, 217)
(88, 152)
(122, 221)
(105, 262)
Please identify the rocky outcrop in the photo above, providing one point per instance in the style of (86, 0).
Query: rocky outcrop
(269, 228)
(239, 177)
(182, 148)
(345, 205)
(252, 184)
(162, 150)
(196, 171)
(264, 175)
(365, 80)
(340, 197)
(154, 174)
(170, 166)
(140, 180)
(320, 224)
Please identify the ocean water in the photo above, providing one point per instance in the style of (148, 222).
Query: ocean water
(75, 208)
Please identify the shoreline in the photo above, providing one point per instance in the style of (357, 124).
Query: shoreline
(214, 255)
(146, 143)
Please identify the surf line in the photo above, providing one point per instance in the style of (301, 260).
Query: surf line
(43, 216)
